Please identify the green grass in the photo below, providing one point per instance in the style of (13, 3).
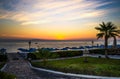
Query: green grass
(4, 75)
(95, 66)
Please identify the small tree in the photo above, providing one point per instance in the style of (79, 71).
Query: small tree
(45, 54)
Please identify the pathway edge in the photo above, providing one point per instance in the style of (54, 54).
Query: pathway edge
(3, 67)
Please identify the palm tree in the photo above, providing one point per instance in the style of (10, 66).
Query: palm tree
(107, 30)
(114, 42)
(114, 32)
(115, 39)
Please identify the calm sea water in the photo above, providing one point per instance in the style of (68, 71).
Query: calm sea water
(13, 46)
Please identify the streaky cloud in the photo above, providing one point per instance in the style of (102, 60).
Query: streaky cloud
(50, 11)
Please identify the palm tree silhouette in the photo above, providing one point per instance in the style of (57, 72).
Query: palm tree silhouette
(107, 30)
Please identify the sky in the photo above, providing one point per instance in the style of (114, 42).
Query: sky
(56, 19)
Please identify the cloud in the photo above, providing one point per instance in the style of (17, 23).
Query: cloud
(35, 22)
(49, 11)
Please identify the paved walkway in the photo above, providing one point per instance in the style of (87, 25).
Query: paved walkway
(20, 68)
(103, 56)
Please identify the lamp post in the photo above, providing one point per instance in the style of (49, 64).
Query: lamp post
(85, 53)
(29, 49)
(29, 44)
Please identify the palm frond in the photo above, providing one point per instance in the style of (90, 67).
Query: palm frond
(114, 34)
(117, 31)
(103, 26)
(100, 35)
(110, 25)
(113, 28)
(98, 28)
(108, 30)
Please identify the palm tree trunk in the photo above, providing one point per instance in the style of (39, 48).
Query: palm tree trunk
(106, 47)
(114, 42)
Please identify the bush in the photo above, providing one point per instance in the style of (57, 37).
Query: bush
(37, 55)
(4, 75)
(3, 58)
(102, 51)
(69, 53)
(57, 54)
(31, 55)
(97, 51)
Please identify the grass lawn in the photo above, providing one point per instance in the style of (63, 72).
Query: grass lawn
(95, 66)
(4, 75)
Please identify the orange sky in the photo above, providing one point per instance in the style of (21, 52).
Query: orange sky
(55, 19)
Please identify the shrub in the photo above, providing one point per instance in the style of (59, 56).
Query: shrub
(102, 51)
(97, 51)
(3, 58)
(50, 55)
(69, 53)
(4, 75)
(31, 55)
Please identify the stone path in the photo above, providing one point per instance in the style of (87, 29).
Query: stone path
(19, 67)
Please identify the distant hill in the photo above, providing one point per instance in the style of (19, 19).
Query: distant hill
(34, 39)
(17, 39)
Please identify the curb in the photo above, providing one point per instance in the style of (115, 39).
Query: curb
(3, 67)
(75, 57)
(70, 74)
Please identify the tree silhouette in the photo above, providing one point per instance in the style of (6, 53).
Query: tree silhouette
(107, 30)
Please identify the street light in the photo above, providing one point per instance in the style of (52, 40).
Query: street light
(29, 44)
(85, 54)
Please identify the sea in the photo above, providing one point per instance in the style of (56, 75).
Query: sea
(12, 46)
